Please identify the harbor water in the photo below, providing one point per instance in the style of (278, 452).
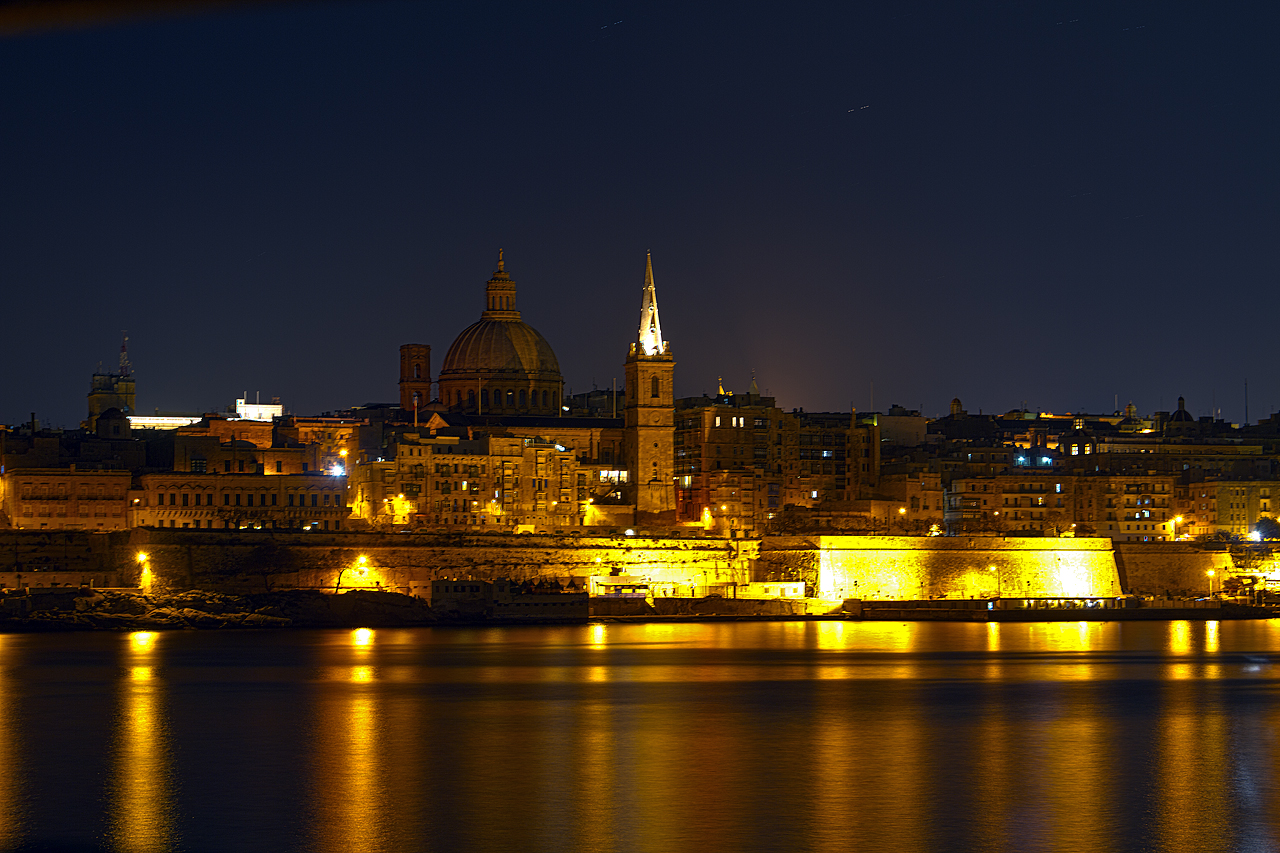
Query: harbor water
(825, 736)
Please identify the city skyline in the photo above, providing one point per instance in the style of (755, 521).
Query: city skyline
(1034, 206)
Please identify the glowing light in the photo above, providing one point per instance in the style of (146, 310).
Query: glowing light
(343, 453)
(142, 641)
(362, 637)
(902, 510)
(629, 532)
(361, 674)
(723, 507)
(143, 557)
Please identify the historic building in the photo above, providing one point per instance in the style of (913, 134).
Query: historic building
(222, 501)
(500, 365)
(533, 461)
(649, 414)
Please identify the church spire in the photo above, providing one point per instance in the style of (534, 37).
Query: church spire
(651, 342)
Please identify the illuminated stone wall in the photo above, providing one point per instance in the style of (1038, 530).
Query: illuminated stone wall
(1173, 568)
(253, 561)
(909, 568)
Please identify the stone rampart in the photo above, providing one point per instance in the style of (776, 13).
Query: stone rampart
(904, 567)
(1170, 568)
(257, 561)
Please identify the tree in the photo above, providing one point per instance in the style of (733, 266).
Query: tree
(1267, 528)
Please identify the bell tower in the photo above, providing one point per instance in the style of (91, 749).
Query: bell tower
(649, 414)
(415, 376)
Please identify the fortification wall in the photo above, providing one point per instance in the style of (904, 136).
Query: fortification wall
(901, 567)
(1169, 568)
(247, 561)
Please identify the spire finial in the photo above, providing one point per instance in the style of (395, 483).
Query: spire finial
(500, 262)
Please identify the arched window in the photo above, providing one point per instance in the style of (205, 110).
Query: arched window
(484, 397)
(545, 404)
(417, 371)
(653, 384)
(523, 399)
(471, 399)
(511, 398)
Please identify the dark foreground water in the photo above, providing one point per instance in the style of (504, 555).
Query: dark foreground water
(708, 737)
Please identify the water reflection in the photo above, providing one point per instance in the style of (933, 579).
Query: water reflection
(10, 759)
(349, 797)
(140, 791)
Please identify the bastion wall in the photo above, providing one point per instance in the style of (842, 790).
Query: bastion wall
(1169, 568)
(910, 568)
(834, 567)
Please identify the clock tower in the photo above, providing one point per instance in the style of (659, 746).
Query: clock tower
(649, 414)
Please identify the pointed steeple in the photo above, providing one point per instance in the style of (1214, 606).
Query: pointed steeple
(754, 389)
(651, 342)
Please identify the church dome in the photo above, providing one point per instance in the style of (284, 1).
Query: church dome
(510, 347)
(501, 365)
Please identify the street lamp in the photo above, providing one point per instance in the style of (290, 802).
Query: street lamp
(144, 578)
(1210, 573)
(1177, 519)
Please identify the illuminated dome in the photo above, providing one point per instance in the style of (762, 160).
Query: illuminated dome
(501, 365)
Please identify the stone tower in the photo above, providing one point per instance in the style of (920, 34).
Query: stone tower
(415, 376)
(649, 415)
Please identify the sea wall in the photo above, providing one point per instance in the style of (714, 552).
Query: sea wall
(903, 567)
(259, 561)
(1169, 568)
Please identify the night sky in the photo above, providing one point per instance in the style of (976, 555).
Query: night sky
(1050, 203)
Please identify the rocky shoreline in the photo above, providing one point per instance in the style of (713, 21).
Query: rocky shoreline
(112, 610)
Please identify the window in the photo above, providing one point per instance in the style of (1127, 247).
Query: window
(290, 499)
(279, 467)
(653, 384)
(314, 499)
(226, 499)
(226, 466)
(184, 498)
(523, 399)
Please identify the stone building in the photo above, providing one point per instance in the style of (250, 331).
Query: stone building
(1124, 507)
(220, 501)
(490, 482)
(1226, 506)
(65, 498)
(500, 384)
(500, 365)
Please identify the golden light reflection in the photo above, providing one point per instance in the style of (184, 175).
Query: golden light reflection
(10, 761)
(362, 637)
(599, 636)
(350, 797)
(140, 791)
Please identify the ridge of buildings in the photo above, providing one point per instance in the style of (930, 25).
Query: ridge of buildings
(493, 443)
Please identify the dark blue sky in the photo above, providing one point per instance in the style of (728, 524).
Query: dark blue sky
(1052, 202)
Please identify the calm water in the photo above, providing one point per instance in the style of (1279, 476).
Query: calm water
(756, 736)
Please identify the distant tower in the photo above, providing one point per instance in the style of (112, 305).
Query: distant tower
(113, 390)
(649, 415)
(415, 376)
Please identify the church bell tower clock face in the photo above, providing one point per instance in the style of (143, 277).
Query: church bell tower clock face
(649, 415)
